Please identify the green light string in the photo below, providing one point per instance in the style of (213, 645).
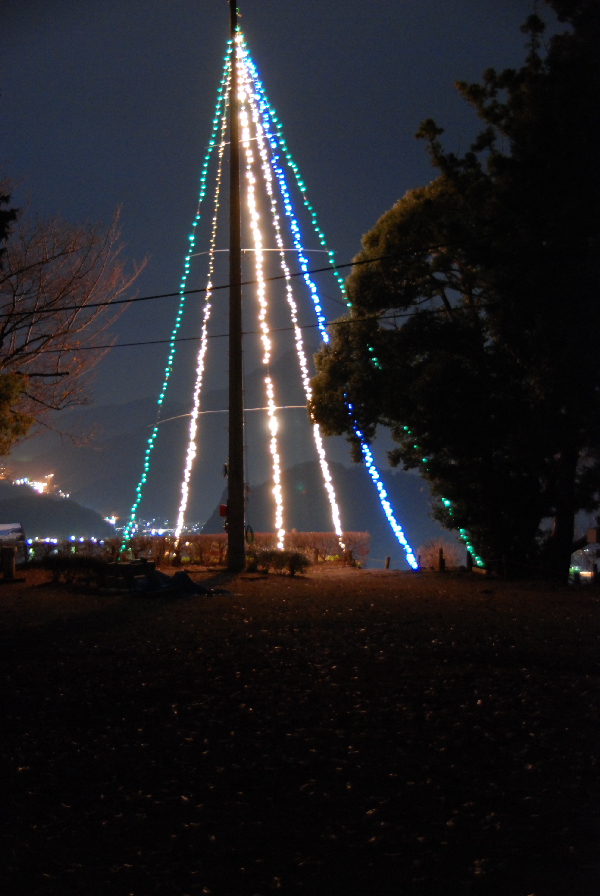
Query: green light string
(200, 360)
(448, 505)
(222, 95)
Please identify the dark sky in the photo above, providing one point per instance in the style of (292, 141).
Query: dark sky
(109, 103)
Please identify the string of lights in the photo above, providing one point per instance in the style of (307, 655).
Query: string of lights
(222, 93)
(287, 203)
(262, 307)
(301, 355)
(216, 288)
(331, 323)
(273, 132)
(192, 449)
(274, 154)
(301, 186)
(300, 183)
(387, 507)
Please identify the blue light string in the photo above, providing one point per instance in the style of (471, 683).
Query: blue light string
(273, 117)
(287, 202)
(301, 186)
(268, 125)
(387, 507)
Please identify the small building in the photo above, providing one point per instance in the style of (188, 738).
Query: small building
(13, 534)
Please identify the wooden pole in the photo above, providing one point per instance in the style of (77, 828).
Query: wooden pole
(235, 491)
(441, 561)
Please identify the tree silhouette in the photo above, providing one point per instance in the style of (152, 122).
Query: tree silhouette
(473, 331)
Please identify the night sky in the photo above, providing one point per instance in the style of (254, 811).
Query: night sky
(108, 104)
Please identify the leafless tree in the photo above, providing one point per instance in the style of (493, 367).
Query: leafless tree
(58, 283)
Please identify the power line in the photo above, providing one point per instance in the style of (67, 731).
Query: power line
(319, 251)
(283, 407)
(203, 289)
(333, 323)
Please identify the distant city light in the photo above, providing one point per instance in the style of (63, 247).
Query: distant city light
(42, 486)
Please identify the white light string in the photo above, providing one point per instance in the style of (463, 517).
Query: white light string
(192, 449)
(131, 526)
(268, 180)
(262, 309)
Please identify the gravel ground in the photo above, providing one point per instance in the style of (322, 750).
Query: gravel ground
(349, 731)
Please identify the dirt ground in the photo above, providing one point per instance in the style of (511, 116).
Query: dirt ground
(348, 731)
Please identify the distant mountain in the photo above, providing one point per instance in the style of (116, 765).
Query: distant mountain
(307, 508)
(46, 516)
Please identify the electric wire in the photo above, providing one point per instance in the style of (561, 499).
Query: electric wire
(201, 289)
(331, 323)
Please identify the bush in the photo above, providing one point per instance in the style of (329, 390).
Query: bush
(199, 550)
(297, 562)
(211, 550)
(320, 547)
(71, 568)
(278, 561)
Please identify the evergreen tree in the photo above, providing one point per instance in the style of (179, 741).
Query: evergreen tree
(474, 326)
(7, 216)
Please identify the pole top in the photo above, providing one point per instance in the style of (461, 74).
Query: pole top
(233, 13)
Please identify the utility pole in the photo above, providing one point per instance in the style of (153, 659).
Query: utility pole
(235, 492)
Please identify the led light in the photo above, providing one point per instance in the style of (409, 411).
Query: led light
(262, 307)
(279, 142)
(222, 95)
(464, 536)
(192, 446)
(270, 146)
(272, 130)
(295, 230)
(262, 144)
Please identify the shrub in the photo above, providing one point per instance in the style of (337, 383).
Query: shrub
(278, 561)
(211, 550)
(140, 546)
(317, 546)
(70, 568)
(359, 543)
(112, 547)
(158, 550)
(297, 562)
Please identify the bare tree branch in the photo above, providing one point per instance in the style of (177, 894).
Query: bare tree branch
(49, 266)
